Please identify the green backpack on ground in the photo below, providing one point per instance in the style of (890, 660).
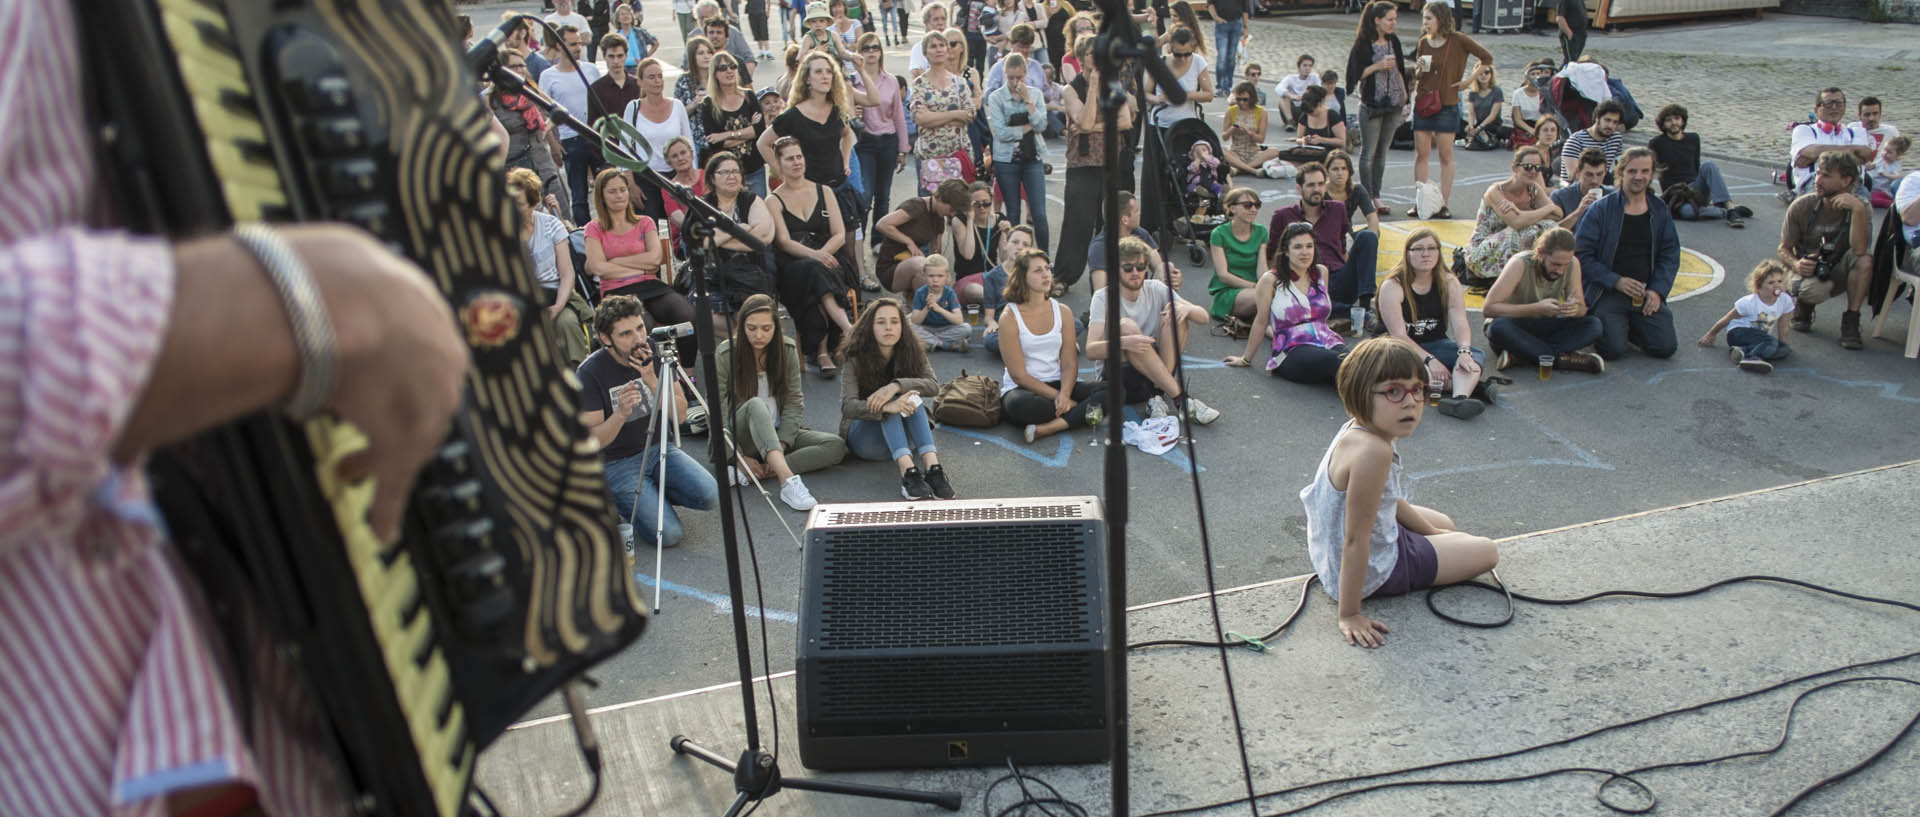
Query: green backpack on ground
(971, 400)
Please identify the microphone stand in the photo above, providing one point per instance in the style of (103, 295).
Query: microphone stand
(757, 774)
(1119, 51)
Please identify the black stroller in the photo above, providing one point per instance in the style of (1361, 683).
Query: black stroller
(1189, 207)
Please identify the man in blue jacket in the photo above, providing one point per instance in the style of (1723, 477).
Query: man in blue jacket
(1629, 254)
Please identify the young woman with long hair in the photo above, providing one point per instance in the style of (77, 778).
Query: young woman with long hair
(1040, 390)
(885, 138)
(696, 67)
(1423, 304)
(546, 239)
(759, 373)
(625, 252)
(1440, 62)
(1344, 188)
(1293, 310)
(808, 245)
(1377, 65)
(884, 401)
(732, 119)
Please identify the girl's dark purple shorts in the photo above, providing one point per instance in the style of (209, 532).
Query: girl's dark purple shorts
(1416, 568)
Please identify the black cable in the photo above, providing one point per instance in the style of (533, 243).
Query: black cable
(1611, 776)
(1259, 642)
(1027, 800)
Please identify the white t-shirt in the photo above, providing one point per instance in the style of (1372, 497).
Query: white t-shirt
(1294, 85)
(566, 88)
(1144, 312)
(917, 59)
(1527, 104)
(1879, 135)
(1908, 193)
(658, 134)
(1807, 134)
(1752, 313)
(682, 6)
(1190, 81)
(548, 233)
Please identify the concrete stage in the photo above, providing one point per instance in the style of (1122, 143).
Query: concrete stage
(1315, 708)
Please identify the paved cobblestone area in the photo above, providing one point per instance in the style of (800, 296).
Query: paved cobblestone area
(1772, 89)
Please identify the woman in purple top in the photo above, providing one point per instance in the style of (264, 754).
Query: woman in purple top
(1295, 309)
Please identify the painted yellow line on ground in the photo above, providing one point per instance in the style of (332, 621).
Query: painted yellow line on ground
(1698, 272)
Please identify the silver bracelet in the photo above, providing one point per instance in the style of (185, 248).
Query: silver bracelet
(306, 312)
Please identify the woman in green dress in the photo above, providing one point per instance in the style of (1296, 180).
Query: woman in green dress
(1239, 256)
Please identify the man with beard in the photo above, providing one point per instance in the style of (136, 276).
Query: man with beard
(1629, 254)
(1605, 133)
(618, 388)
(1826, 240)
(1678, 155)
(1350, 271)
(1152, 332)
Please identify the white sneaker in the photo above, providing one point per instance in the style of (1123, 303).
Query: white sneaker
(740, 478)
(1157, 407)
(1200, 412)
(795, 494)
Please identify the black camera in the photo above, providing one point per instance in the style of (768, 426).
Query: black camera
(1823, 260)
(667, 333)
(1018, 119)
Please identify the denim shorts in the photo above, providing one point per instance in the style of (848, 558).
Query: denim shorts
(1447, 121)
(1416, 568)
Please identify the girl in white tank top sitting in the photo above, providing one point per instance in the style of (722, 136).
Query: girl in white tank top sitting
(1039, 390)
(1363, 537)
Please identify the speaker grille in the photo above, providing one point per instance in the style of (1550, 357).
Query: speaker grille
(886, 695)
(923, 513)
(973, 586)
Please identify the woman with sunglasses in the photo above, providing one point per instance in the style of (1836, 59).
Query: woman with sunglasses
(530, 138)
(1246, 126)
(1513, 212)
(1291, 306)
(1423, 304)
(732, 119)
(1189, 67)
(1239, 254)
(884, 110)
(735, 272)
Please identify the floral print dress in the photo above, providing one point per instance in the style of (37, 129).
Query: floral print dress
(941, 149)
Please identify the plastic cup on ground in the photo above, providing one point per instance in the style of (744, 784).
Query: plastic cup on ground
(1546, 367)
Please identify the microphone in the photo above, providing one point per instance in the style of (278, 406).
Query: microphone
(481, 56)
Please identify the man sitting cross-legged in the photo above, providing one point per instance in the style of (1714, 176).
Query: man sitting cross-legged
(1152, 333)
(1536, 311)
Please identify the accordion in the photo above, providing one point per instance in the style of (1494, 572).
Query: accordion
(509, 578)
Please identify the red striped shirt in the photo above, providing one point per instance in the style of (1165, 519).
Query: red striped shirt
(110, 673)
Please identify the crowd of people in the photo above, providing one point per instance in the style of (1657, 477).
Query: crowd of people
(1574, 254)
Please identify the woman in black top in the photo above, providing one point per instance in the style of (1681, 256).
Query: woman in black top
(816, 118)
(1377, 65)
(727, 192)
(809, 242)
(730, 116)
(1330, 133)
(1423, 304)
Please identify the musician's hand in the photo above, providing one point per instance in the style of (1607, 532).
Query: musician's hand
(402, 363)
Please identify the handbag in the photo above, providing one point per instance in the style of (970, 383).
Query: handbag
(1427, 104)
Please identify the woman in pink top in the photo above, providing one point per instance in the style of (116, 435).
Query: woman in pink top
(885, 114)
(625, 252)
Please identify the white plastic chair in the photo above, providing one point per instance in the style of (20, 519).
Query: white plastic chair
(1906, 278)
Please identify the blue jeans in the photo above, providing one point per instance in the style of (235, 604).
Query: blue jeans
(1226, 41)
(1712, 185)
(1534, 338)
(1354, 282)
(1447, 351)
(1030, 177)
(634, 483)
(1754, 343)
(1621, 323)
(992, 341)
(579, 156)
(878, 154)
(757, 182)
(889, 438)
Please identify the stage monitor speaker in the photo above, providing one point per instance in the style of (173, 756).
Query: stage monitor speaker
(958, 633)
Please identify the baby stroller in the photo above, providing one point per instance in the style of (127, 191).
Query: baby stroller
(1192, 209)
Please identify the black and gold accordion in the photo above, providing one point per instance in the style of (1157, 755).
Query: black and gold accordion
(509, 579)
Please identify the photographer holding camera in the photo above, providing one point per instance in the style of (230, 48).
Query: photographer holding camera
(619, 384)
(1826, 241)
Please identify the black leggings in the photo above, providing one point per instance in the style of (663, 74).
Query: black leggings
(1021, 407)
(1313, 365)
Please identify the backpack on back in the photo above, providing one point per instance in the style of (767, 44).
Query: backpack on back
(971, 400)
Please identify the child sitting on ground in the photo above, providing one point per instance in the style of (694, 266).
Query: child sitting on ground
(1756, 335)
(1885, 172)
(936, 317)
(1364, 538)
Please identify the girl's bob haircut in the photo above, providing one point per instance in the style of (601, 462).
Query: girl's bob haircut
(1372, 362)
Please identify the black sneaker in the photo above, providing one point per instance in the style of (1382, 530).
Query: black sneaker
(937, 482)
(914, 486)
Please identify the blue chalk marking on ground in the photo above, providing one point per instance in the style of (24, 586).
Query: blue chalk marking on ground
(1061, 453)
(1887, 389)
(1581, 457)
(720, 602)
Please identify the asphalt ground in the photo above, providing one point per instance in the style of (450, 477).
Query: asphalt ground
(1647, 434)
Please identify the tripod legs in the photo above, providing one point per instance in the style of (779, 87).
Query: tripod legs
(757, 775)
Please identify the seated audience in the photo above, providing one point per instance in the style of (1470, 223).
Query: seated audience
(1827, 241)
(759, 372)
(567, 311)
(937, 320)
(1040, 388)
(1246, 128)
(1345, 187)
(1423, 304)
(1513, 212)
(913, 230)
(1906, 200)
(1756, 331)
(1824, 135)
(1548, 136)
(990, 292)
(990, 226)
(727, 192)
(1482, 125)
(1587, 185)
(1293, 311)
(1239, 255)
(1885, 173)
(1879, 131)
(1352, 278)
(1526, 105)
(1629, 254)
(1129, 226)
(1152, 335)
(1606, 133)
(625, 252)
(1537, 311)
(1677, 153)
(618, 387)
(1319, 127)
(809, 239)
(884, 411)
(1292, 88)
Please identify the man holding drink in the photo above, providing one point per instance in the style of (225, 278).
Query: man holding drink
(1536, 310)
(1629, 254)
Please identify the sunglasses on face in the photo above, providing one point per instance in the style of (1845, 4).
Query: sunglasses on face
(1531, 167)
(1133, 268)
(869, 48)
(1244, 203)
(1833, 103)
(1397, 393)
(983, 204)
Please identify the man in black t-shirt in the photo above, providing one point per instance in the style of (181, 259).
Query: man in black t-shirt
(1676, 155)
(618, 393)
(1573, 29)
(1629, 255)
